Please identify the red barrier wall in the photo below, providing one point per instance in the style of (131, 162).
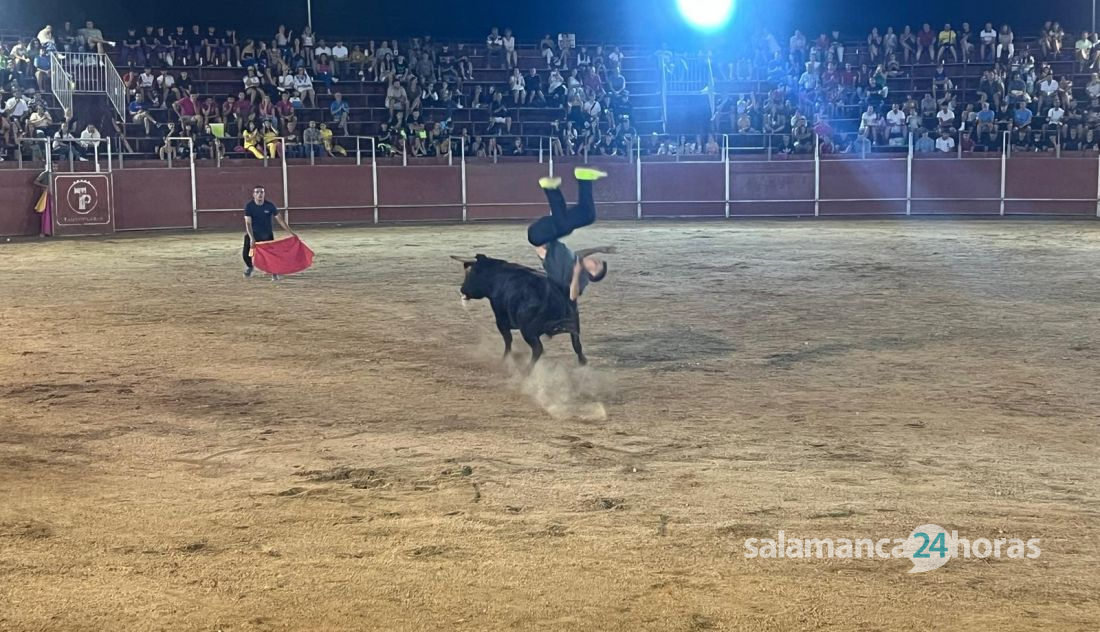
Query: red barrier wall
(862, 187)
(152, 198)
(17, 197)
(147, 198)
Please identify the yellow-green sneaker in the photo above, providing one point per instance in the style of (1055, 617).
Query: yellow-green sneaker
(587, 173)
(549, 183)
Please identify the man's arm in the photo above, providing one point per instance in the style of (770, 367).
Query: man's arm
(248, 229)
(282, 222)
(581, 254)
(575, 284)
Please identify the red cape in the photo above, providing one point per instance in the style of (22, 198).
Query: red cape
(282, 256)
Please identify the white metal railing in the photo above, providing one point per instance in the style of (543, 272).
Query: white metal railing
(88, 70)
(61, 83)
(115, 88)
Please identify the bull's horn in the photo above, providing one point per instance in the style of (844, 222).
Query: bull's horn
(462, 259)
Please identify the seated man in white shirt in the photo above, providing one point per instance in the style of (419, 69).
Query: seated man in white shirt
(16, 107)
(1082, 51)
(1048, 87)
(945, 143)
(895, 122)
(1056, 118)
(339, 59)
(89, 140)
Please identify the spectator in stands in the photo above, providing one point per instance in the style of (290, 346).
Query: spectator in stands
(265, 112)
(303, 85)
(1082, 51)
(533, 85)
(941, 83)
(966, 42)
(210, 112)
(926, 42)
(253, 141)
(187, 109)
(324, 73)
(285, 109)
(331, 146)
(511, 57)
(1056, 119)
(870, 125)
(139, 113)
(988, 39)
(1005, 43)
(945, 144)
(924, 144)
(895, 123)
(593, 82)
(311, 141)
(132, 52)
(518, 87)
(874, 45)
(16, 107)
(42, 71)
(251, 83)
(499, 115)
(985, 127)
(93, 38)
(89, 139)
(945, 118)
(494, 48)
(396, 98)
(340, 111)
(947, 40)
(1021, 118)
(1048, 90)
(340, 55)
(907, 42)
(65, 145)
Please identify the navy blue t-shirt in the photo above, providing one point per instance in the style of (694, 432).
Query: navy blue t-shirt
(558, 264)
(262, 215)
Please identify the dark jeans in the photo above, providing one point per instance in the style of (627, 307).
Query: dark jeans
(562, 220)
(248, 246)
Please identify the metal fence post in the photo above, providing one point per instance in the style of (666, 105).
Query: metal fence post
(374, 175)
(1004, 165)
(638, 178)
(909, 177)
(286, 193)
(726, 168)
(194, 191)
(462, 164)
(817, 177)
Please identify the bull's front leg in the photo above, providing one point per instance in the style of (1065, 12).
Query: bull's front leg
(506, 333)
(575, 336)
(533, 339)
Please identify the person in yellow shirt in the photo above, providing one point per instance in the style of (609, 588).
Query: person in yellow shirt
(252, 141)
(947, 39)
(271, 140)
(330, 145)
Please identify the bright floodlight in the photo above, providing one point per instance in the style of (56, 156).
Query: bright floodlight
(706, 15)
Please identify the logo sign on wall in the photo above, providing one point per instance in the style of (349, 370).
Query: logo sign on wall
(83, 200)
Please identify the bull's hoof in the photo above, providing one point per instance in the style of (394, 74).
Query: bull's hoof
(581, 360)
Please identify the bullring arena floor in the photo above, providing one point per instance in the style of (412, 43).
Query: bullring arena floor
(184, 449)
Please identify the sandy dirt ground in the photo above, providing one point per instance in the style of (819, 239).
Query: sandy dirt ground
(185, 449)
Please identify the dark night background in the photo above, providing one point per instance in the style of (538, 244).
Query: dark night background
(641, 21)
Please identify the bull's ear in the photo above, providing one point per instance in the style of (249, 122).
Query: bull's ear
(465, 262)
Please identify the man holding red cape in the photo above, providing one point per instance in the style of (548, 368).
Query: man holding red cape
(285, 256)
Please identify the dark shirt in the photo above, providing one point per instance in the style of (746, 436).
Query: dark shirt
(558, 264)
(261, 215)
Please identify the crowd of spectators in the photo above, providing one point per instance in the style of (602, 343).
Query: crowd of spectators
(276, 105)
(835, 82)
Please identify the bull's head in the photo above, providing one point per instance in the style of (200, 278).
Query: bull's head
(478, 280)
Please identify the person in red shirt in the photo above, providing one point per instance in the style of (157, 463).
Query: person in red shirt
(285, 109)
(926, 40)
(187, 109)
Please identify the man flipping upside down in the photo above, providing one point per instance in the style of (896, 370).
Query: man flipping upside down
(571, 271)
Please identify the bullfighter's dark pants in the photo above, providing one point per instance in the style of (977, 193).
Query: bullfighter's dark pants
(563, 220)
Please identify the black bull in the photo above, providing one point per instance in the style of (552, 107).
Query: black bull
(522, 299)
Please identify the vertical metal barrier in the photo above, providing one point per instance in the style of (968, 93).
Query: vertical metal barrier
(462, 162)
(1004, 166)
(1098, 186)
(194, 186)
(116, 89)
(61, 83)
(638, 178)
(909, 178)
(817, 177)
(726, 168)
